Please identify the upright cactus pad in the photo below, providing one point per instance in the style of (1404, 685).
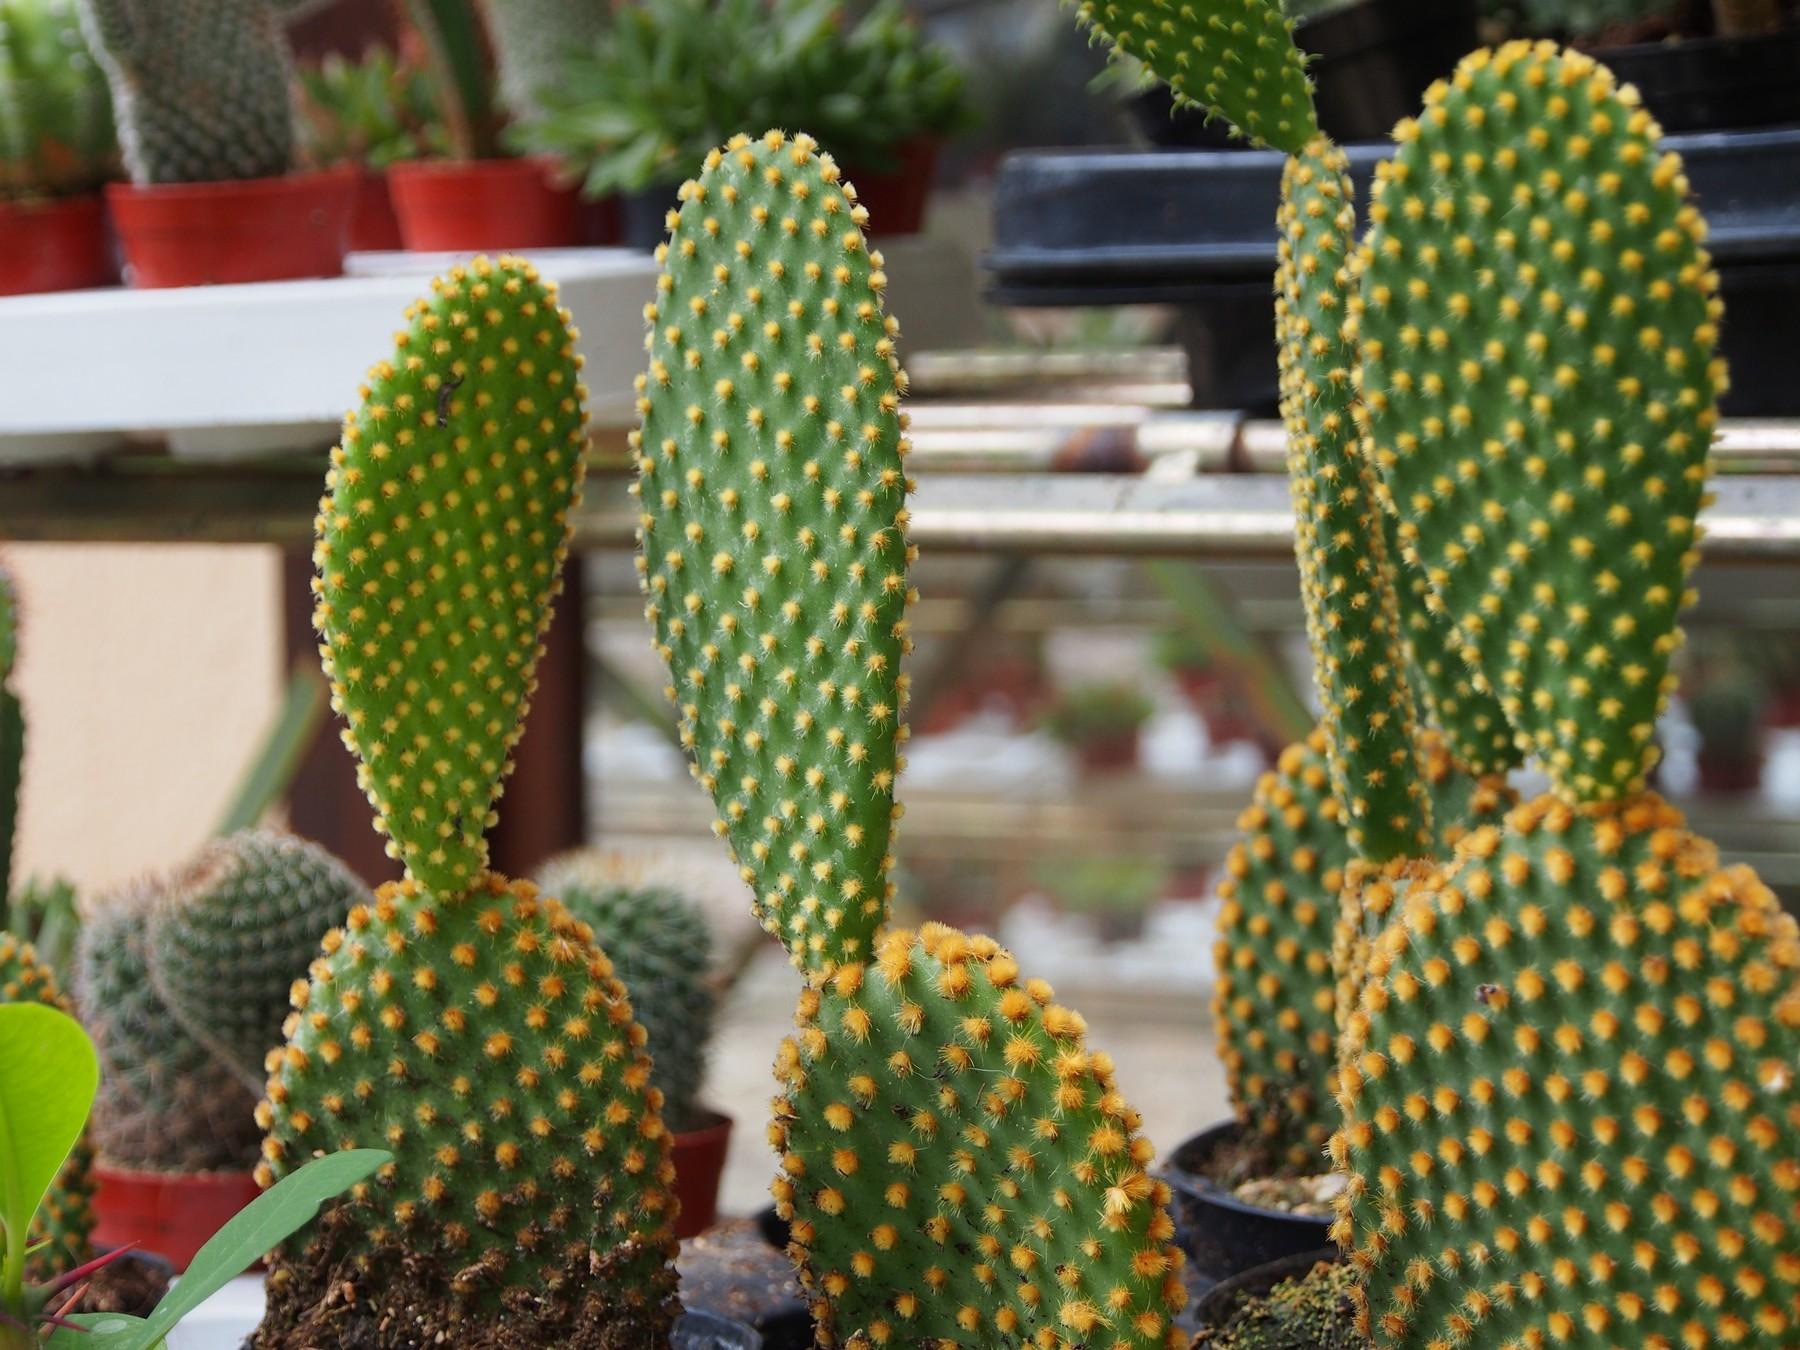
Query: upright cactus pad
(465, 1023)
(1539, 360)
(234, 931)
(1572, 1112)
(1346, 582)
(661, 949)
(959, 1170)
(774, 531)
(167, 1102)
(1236, 58)
(65, 1221)
(200, 87)
(439, 551)
(1273, 1000)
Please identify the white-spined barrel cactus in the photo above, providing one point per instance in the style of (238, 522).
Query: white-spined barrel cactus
(464, 1022)
(958, 1168)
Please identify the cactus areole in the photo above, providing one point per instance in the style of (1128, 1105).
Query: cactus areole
(464, 1022)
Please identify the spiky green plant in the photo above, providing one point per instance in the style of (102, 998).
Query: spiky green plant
(661, 947)
(535, 39)
(464, 1022)
(200, 87)
(1571, 1109)
(958, 1169)
(56, 130)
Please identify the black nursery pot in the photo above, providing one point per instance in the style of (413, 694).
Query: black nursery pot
(1219, 1302)
(643, 215)
(1371, 62)
(1714, 83)
(1222, 1235)
(704, 1331)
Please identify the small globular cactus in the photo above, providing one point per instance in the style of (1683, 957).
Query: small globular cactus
(1235, 58)
(60, 1239)
(957, 1168)
(201, 88)
(661, 948)
(466, 1023)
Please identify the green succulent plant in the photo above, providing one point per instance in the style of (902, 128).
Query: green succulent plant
(373, 111)
(56, 128)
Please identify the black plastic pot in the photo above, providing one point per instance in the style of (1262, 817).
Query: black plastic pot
(1222, 1235)
(1197, 229)
(1372, 62)
(1714, 83)
(1223, 1298)
(704, 1331)
(643, 215)
(738, 1270)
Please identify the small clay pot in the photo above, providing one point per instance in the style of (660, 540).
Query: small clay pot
(699, 1165)
(172, 1214)
(253, 229)
(897, 197)
(54, 244)
(1221, 1234)
(468, 206)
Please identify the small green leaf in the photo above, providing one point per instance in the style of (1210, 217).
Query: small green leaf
(48, 1076)
(101, 1331)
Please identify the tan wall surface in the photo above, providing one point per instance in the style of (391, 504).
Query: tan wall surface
(148, 675)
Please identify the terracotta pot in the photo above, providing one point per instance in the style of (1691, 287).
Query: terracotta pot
(466, 206)
(374, 228)
(896, 197)
(169, 1213)
(699, 1164)
(1115, 752)
(57, 244)
(252, 229)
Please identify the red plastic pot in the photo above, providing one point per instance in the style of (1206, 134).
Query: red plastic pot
(169, 1213)
(54, 245)
(1114, 752)
(896, 197)
(699, 1165)
(461, 206)
(253, 229)
(374, 228)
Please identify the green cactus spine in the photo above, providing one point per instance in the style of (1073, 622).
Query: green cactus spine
(466, 1023)
(661, 948)
(957, 1168)
(65, 1221)
(1571, 1114)
(200, 87)
(1235, 58)
(56, 131)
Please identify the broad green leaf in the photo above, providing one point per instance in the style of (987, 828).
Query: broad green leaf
(48, 1076)
(100, 1331)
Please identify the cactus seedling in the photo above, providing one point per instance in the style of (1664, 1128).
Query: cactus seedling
(466, 1023)
(1571, 1114)
(958, 1169)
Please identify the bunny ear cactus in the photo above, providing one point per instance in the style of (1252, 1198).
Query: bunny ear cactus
(1569, 1087)
(466, 1023)
(958, 1169)
(1235, 58)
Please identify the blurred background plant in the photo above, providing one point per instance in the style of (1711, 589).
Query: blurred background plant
(1111, 891)
(373, 110)
(56, 127)
(1100, 723)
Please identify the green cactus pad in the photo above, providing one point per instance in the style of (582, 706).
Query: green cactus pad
(1539, 336)
(1235, 58)
(65, 1220)
(773, 531)
(958, 1169)
(1572, 1113)
(200, 87)
(439, 549)
(661, 949)
(1346, 582)
(235, 930)
(529, 1155)
(1273, 1000)
(167, 1101)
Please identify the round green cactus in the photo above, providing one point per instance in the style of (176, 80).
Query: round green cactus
(233, 932)
(1539, 333)
(64, 1224)
(1235, 58)
(1572, 1115)
(958, 1169)
(661, 949)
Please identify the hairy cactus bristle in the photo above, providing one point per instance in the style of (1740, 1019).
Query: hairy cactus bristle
(1346, 582)
(465, 1023)
(1235, 58)
(661, 950)
(1571, 1108)
(61, 1231)
(1547, 470)
(774, 532)
(201, 88)
(235, 929)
